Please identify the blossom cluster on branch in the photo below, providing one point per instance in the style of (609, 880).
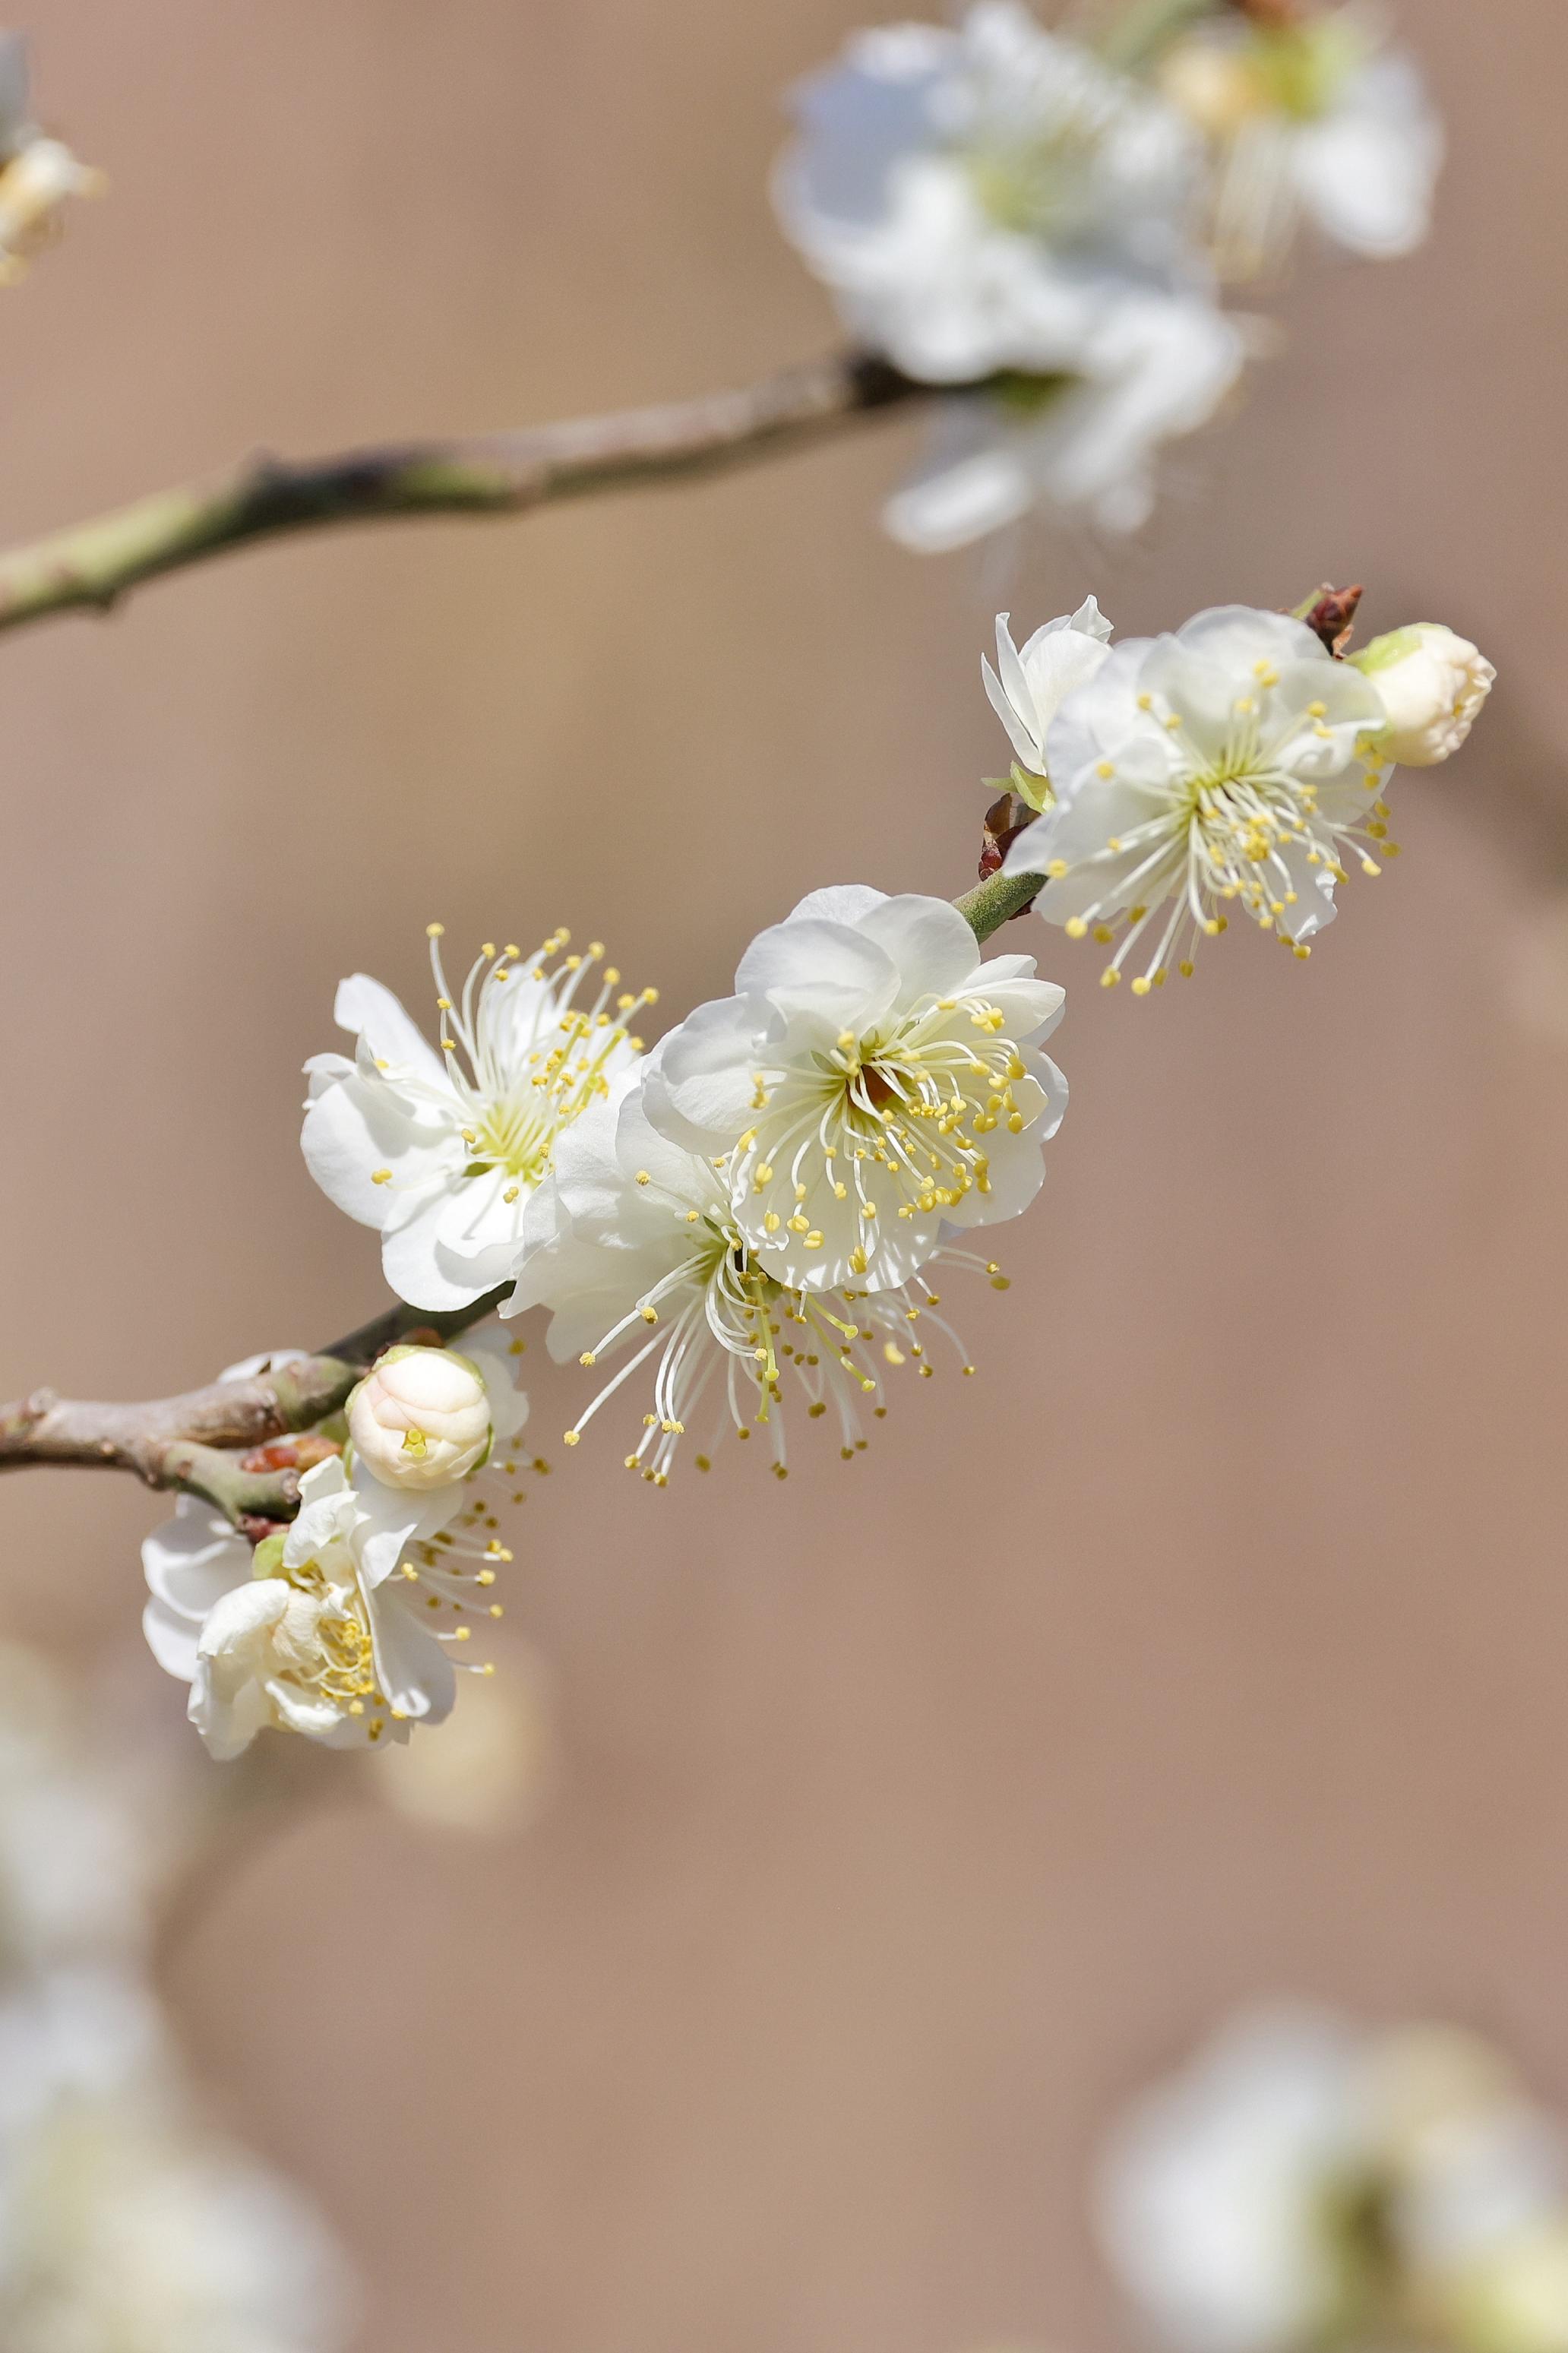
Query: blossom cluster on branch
(743, 1224)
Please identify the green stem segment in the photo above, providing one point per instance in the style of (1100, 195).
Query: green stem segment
(995, 901)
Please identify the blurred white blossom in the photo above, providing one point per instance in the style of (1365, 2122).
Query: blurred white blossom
(126, 2226)
(870, 1081)
(440, 1150)
(990, 202)
(1304, 2182)
(1312, 115)
(489, 1768)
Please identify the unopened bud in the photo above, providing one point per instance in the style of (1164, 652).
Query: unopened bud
(1432, 684)
(421, 1417)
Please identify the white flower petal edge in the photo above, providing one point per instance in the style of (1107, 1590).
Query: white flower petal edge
(439, 1151)
(1028, 686)
(1235, 761)
(870, 1081)
(633, 1243)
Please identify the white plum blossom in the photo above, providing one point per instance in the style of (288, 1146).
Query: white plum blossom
(633, 1243)
(338, 1629)
(1301, 2177)
(1310, 117)
(1030, 684)
(870, 1081)
(422, 1418)
(1432, 684)
(1233, 762)
(440, 1150)
(1085, 443)
(991, 202)
(38, 174)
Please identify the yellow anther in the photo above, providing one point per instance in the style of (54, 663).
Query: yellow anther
(1074, 927)
(381, 1175)
(434, 931)
(570, 1437)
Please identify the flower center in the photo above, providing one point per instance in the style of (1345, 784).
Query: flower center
(1038, 185)
(344, 1669)
(511, 1135)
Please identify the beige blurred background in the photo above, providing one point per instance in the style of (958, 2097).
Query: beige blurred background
(1215, 1638)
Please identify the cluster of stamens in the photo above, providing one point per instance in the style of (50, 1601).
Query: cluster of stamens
(716, 1308)
(1220, 838)
(520, 1077)
(917, 1103)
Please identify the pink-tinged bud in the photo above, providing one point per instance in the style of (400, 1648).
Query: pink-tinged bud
(421, 1417)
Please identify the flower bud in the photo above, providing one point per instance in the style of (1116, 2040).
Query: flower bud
(1432, 684)
(421, 1417)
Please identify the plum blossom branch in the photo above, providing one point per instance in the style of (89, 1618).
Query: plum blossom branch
(94, 564)
(202, 1442)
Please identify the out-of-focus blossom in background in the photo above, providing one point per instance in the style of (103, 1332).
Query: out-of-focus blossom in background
(1306, 2183)
(38, 175)
(126, 2225)
(489, 1769)
(1313, 116)
(994, 207)
(992, 202)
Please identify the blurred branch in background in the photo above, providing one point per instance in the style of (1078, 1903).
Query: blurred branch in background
(94, 564)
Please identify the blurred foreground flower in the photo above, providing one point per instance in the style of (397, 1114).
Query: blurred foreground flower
(38, 175)
(1305, 2183)
(126, 2225)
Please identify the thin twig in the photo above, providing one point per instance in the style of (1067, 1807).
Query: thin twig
(94, 564)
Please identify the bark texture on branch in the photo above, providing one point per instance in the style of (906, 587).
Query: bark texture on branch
(93, 564)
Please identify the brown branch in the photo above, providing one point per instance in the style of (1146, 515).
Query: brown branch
(94, 564)
(179, 1442)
